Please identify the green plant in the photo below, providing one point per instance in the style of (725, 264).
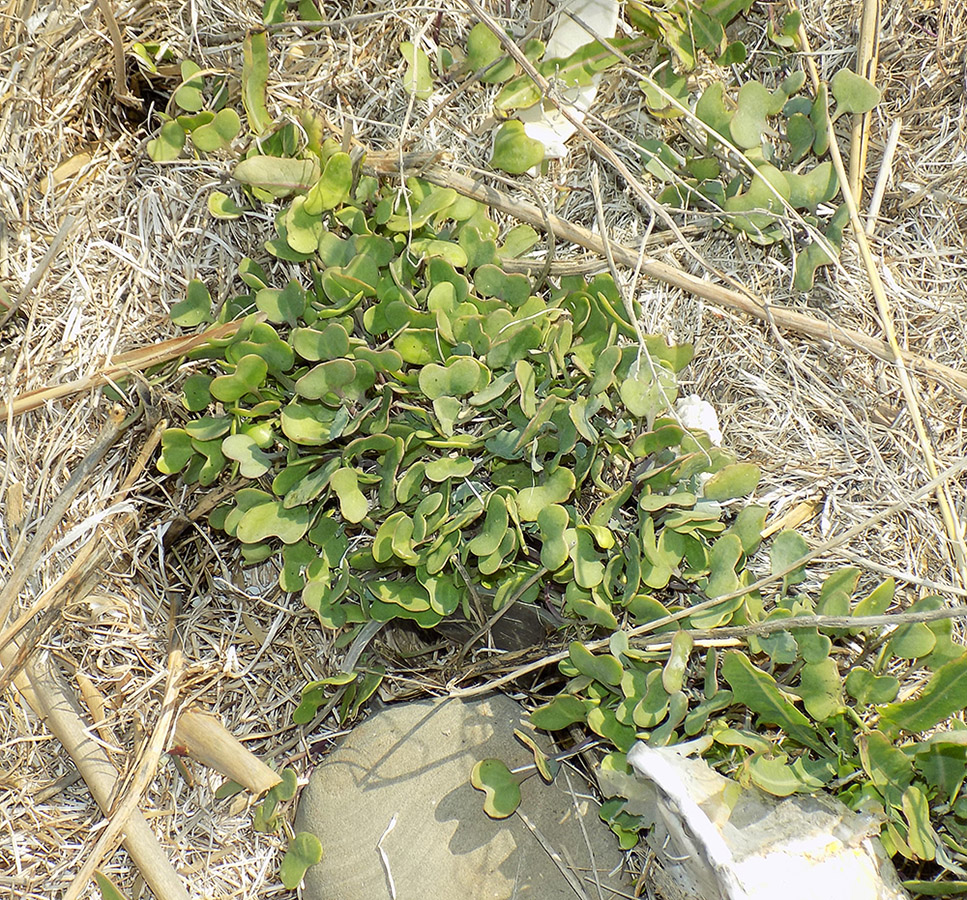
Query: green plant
(426, 435)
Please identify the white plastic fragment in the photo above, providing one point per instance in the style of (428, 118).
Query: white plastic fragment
(543, 122)
(715, 840)
(694, 412)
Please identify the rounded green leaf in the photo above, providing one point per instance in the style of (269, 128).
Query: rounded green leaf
(247, 378)
(603, 667)
(514, 151)
(866, 688)
(176, 450)
(552, 521)
(333, 187)
(853, 93)
(499, 785)
(352, 502)
(278, 175)
(168, 144)
(195, 308)
(218, 133)
(449, 467)
(253, 463)
(788, 547)
(417, 79)
(557, 488)
(460, 376)
(408, 595)
(821, 689)
(562, 711)
(271, 519)
(484, 48)
(494, 528)
(332, 377)
(303, 851)
(188, 94)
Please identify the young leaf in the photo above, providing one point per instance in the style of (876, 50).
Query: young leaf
(218, 133)
(168, 144)
(108, 889)
(195, 308)
(304, 851)
(787, 548)
(417, 80)
(514, 151)
(188, 95)
(484, 48)
(221, 206)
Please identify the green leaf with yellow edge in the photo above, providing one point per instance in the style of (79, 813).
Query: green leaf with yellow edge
(221, 206)
(500, 786)
(109, 890)
(255, 73)
(673, 673)
(304, 850)
(546, 768)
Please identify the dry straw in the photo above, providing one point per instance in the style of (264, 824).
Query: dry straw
(96, 243)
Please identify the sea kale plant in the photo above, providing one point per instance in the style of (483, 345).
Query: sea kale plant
(423, 434)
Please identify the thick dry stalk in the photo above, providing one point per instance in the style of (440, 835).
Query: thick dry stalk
(203, 737)
(54, 701)
(44, 688)
(723, 297)
(144, 773)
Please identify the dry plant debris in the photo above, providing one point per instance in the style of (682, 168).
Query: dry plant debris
(825, 423)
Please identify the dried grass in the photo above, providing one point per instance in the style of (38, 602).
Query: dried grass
(822, 421)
